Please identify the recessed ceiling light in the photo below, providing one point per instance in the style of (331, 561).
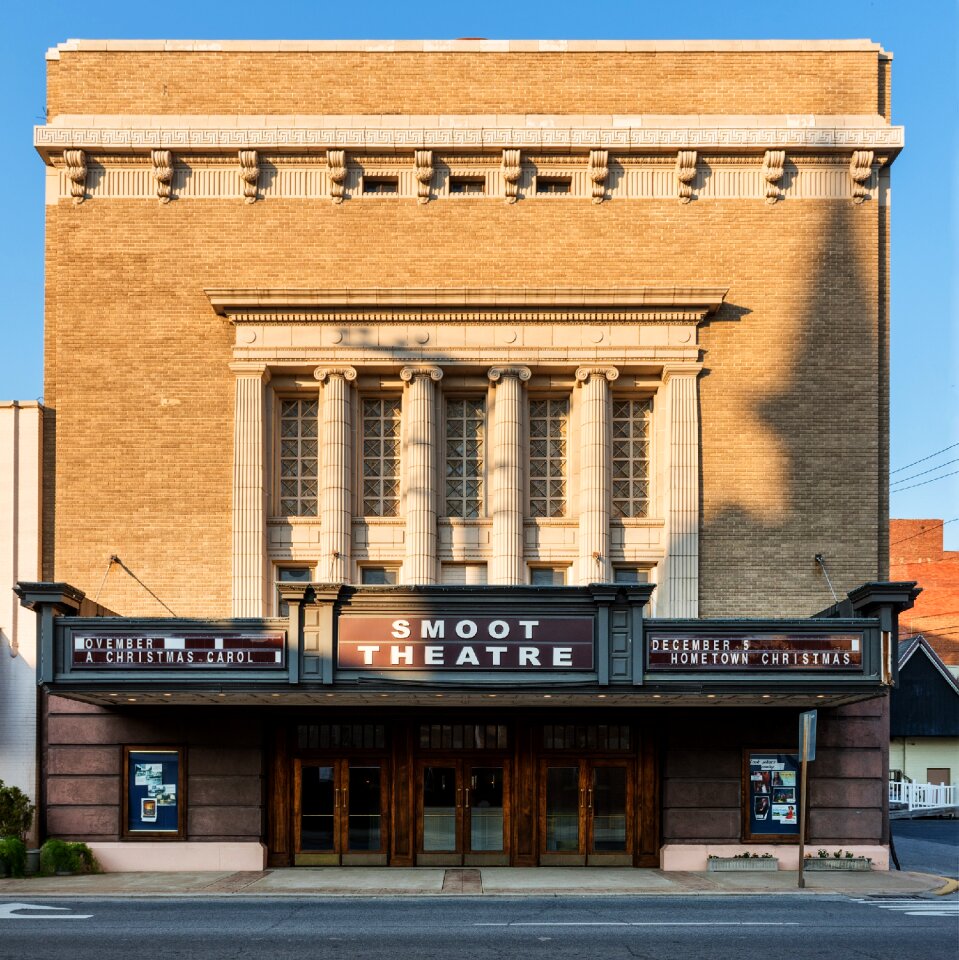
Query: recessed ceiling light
(657, 696)
(439, 695)
(491, 695)
(131, 699)
(600, 696)
(274, 694)
(820, 696)
(710, 696)
(766, 696)
(221, 694)
(114, 694)
(384, 694)
(547, 696)
(166, 694)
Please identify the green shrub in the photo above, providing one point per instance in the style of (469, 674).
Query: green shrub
(59, 856)
(16, 812)
(13, 855)
(82, 858)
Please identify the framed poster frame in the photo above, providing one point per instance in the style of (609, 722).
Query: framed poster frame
(181, 800)
(748, 833)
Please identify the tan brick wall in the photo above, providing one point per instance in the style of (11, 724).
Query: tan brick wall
(791, 415)
(797, 82)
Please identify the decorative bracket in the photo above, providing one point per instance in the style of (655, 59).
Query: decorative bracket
(249, 174)
(512, 167)
(76, 161)
(685, 174)
(598, 171)
(162, 161)
(773, 168)
(336, 163)
(860, 170)
(424, 174)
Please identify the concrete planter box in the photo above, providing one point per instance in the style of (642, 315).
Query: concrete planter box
(832, 863)
(718, 864)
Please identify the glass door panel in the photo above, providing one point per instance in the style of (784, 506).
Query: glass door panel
(317, 809)
(364, 823)
(485, 802)
(439, 792)
(607, 808)
(562, 810)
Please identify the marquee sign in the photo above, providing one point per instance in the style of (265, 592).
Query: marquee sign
(753, 651)
(465, 643)
(232, 651)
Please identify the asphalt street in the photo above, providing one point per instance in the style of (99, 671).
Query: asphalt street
(685, 928)
(928, 846)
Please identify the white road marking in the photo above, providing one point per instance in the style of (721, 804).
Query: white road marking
(916, 908)
(9, 911)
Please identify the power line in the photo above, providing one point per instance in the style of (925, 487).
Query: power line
(912, 536)
(922, 473)
(924, 459)
(924, 482)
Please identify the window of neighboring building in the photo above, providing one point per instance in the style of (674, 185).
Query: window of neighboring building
(548, 421)
(290, 575)
(379, 576)
(630, 458)
(465, 455)
(381, 456)
(381, 185)
(463, 573)
(630, 575)
(547, 576)
(298, 447)
(467, 185)
(554, 184)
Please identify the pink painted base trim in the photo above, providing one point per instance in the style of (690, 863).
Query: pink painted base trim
(132, 856)
(692, 856)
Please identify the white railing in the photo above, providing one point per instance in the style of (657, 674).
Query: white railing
(923, 796)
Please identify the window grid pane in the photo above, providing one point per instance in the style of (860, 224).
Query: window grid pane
(465, 454)
(381, 457)
(630, 457)
(548, 421)
(298, 451)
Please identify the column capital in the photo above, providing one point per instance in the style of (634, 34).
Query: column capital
(251, 368)
(408, 374)
(497, 373)
(609, 373)
(324, 373)
(671, 370)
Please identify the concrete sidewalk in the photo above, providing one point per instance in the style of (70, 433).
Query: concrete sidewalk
(486, 881)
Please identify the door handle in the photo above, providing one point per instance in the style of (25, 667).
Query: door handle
(336, 799)
(589, 799)
(466, 795)
(459, 796)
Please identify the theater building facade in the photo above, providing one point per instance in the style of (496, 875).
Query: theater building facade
(465, 452)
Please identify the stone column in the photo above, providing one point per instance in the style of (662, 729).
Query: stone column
(594, 483)
(249, 490)
(419, 421)
(335, 474)
(681, 573)
(507, 476)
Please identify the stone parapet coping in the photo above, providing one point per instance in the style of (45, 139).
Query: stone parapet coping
(467, 46)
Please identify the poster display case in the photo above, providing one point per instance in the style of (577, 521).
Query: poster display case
(153, 801)
(771, 791)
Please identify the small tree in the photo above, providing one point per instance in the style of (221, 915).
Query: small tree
(16, 812)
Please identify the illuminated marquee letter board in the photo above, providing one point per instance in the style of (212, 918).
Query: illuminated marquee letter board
(772, 795)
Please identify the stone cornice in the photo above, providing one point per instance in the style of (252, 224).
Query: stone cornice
(235, 303)
(577, 133)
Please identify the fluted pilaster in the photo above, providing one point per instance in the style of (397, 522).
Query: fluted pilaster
(682, 516)
(249, 491)
(336, 465)
(507, 476)
(419, 416)
(594, 446)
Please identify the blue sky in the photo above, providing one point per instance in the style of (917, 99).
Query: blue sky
(925, 278)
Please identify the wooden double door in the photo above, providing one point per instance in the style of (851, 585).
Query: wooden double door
(586, 812)
(462, 811)
(340, 811)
